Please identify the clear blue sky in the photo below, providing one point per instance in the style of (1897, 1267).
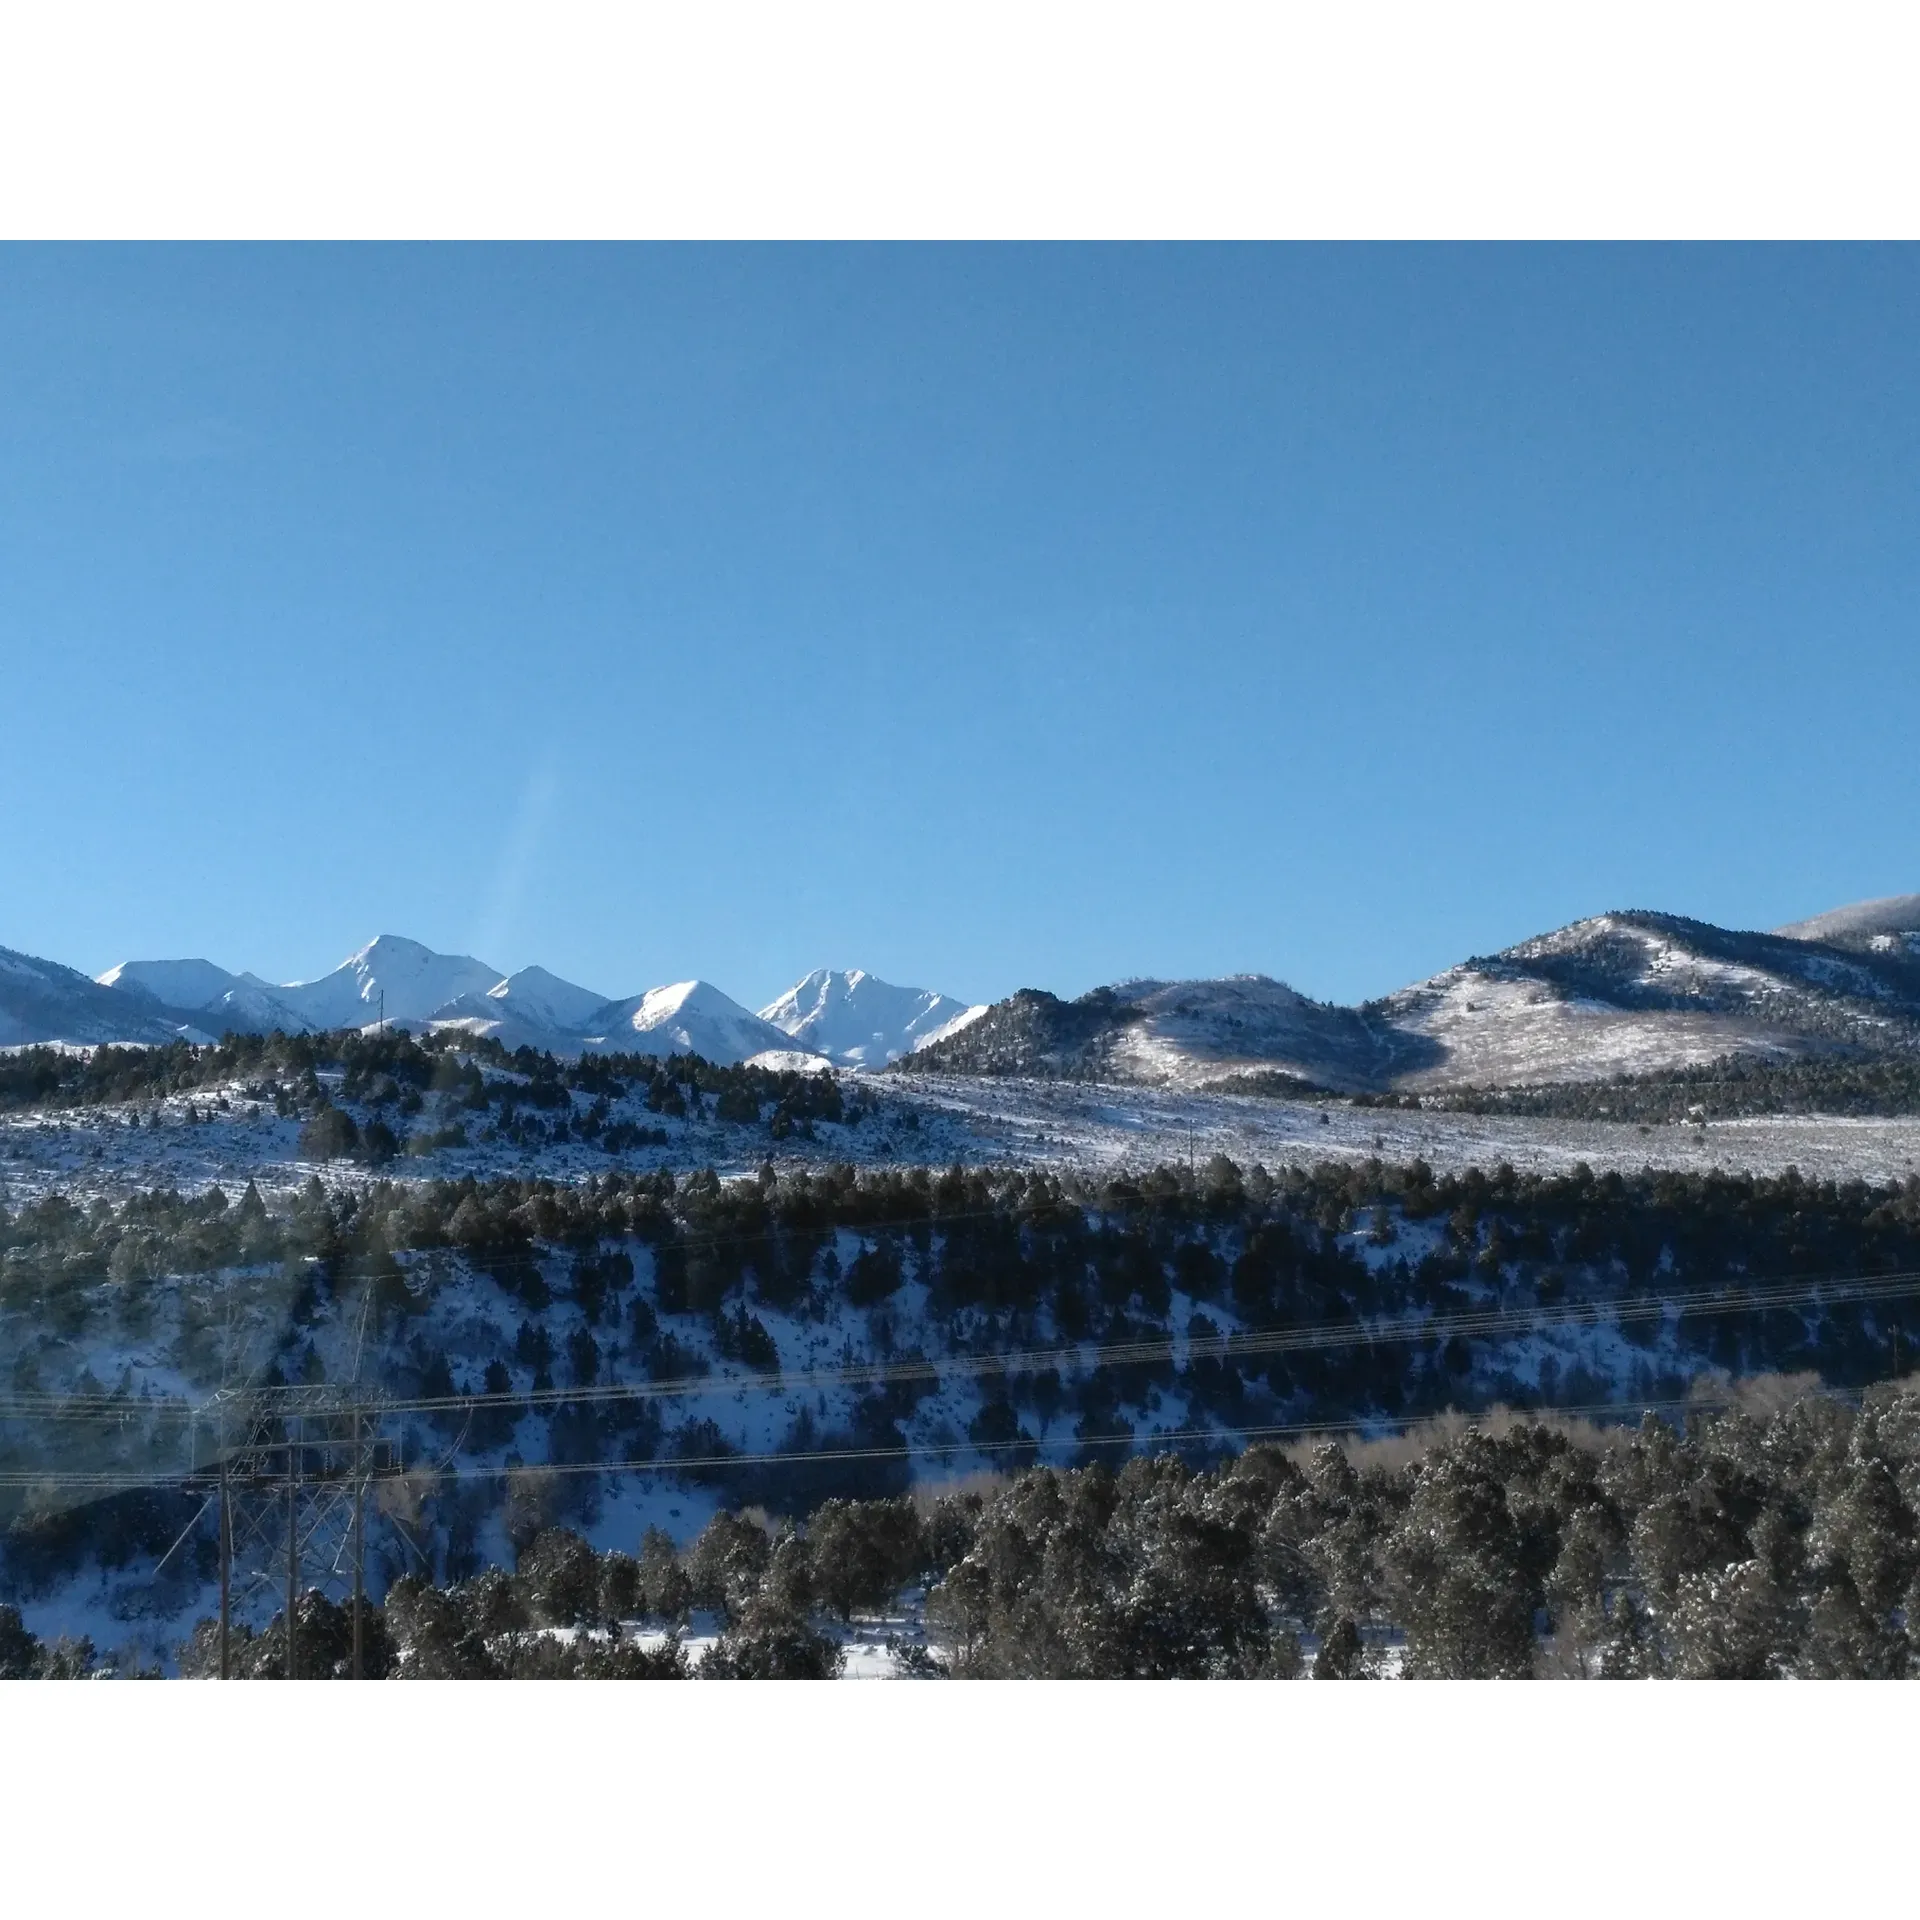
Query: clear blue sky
(983, 617)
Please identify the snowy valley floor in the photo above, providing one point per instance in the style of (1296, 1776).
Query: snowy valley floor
(189, 1143)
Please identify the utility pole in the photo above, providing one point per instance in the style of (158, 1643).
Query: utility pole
(383, 1012)
(359, 1543)
(293, 1554)
(226, 1557)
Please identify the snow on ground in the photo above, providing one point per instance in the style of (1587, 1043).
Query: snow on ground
(1661, 997)
(191, 1142)
(895, 1645)
(470, 1319)
(219, 1136)
(871, 1644)
(1899, 912)
(1514, 1032)
(1059, 1123)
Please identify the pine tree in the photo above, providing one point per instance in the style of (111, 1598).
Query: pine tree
(1463, 1592)
(19, 1648)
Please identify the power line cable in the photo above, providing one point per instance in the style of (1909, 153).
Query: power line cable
(1612, 1411)
(1831, 1291)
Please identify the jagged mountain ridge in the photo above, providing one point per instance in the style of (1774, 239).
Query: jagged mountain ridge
(175, 983)
(390, 977)
(544, 999)
(411, 986)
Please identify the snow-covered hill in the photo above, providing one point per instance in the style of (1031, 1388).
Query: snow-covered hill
(689, 1017)
(1186, 1032)
(1636, 992)
(1619, 993)
(1175, 1033)
(1884, 926)
(857, 1020)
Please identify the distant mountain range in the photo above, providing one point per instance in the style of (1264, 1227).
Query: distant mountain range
(1620, 993)
(829, 1018)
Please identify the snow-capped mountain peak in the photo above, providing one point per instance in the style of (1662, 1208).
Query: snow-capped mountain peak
(543, 998)
(690, 1016)
(531, 1008)
(175, 983)
(857, 1020)
(1618, 992)
(228, 1001)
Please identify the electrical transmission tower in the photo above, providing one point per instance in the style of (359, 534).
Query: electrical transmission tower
(293, 1470)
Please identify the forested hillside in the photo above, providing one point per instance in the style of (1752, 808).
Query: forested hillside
(1759, 1543)
(606, 1355)
(1732, 1088)
(392, 1077)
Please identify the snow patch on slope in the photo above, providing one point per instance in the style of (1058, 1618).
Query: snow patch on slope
(1188, 1032)
(1494, 1031)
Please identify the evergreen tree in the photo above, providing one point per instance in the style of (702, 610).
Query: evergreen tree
(19, 1648)
(1456, 1566)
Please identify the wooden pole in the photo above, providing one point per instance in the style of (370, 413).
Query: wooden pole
(226, 1564)
(293, 1561)
(359, 1544)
